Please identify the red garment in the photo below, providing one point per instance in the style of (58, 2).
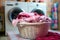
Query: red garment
(49, 36)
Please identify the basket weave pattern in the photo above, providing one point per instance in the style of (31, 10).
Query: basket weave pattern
(32, 31)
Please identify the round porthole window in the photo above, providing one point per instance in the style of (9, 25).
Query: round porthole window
(38, 11)
(12, 14)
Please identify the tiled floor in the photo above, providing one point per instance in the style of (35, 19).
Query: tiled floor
(3, 38)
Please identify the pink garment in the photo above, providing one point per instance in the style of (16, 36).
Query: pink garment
(41, 0)
(31, 18)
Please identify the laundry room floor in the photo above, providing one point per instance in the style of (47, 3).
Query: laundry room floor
(3, 38)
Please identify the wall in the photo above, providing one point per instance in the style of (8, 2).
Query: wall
(59, 16)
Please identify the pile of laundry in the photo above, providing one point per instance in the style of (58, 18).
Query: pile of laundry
(30, 18)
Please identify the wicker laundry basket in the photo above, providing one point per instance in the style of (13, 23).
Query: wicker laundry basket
(32, 30)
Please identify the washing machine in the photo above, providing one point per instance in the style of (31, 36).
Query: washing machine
(12, 9)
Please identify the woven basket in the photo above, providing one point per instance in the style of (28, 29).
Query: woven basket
(32, 30)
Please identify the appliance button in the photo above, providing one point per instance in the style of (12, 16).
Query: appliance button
(37, 5)
(16, 3)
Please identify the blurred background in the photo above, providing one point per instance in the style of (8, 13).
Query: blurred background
(53, 11)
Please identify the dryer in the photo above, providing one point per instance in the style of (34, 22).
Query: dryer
(37, 7)
(12, 9)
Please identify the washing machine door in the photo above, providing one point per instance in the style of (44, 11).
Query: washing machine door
(12, 14)
(38, 11)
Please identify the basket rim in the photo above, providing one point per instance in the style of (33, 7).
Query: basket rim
(26, 23)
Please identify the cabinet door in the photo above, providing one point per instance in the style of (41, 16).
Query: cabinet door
(2, 28)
